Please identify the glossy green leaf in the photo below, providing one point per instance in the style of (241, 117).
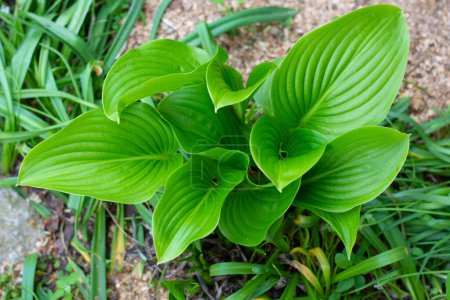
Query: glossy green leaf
(192, 200)
(263, 95)
(250, 210)
(96, 157)
(345, 224)
(156, 67)
(345, 74)
(355, 168)
(283, 154)
(191, 115)
(225, 83)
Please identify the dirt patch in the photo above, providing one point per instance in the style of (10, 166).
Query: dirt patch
(427, 79)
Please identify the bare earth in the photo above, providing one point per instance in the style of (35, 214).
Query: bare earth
(427, 78)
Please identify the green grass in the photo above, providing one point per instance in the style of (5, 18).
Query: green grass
(53, 59)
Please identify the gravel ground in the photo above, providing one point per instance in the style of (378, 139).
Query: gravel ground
(427, 78)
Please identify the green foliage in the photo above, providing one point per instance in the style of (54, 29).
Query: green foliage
(332, 84)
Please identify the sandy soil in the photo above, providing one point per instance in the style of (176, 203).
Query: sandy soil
(427, 78)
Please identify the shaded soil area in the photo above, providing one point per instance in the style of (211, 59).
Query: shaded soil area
(427, 79)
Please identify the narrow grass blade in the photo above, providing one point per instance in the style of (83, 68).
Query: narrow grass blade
(206, 38)
(118, 246)
(237, 268)
(373, 263)
(124, 32)
(65, 35)
(242, 18)
(19, 136)
(145, 213)
(159, 14)
(28, 273)
(249, 288)
(98, 264)
(37, 93)
(22, 58)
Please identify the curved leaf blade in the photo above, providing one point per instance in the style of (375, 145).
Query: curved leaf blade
(225, 83)
(283, 154)
(194, 195)
(191, 114)
(156, 67)
(345, 224)
(93, 156)
(345, 74)
(250, 210)
(355, 168)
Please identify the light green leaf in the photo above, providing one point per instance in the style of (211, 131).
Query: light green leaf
(355, 168)
(345, 224)
(345, 74)
(156, 67)
(225, 83)
(93, 156)
(194, 195)
(250, 210)
(190, 112)
(283, 154)
(263, 95)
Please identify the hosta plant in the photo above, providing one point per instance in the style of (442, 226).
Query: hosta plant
(302, 131)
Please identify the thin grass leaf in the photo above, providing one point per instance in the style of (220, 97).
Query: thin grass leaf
(20, 136)
(249, 288)
(237, 268)
(28, 273)
(98, 264)
(124, 32)
(64, 35)
(373, 263)
(22, 58)
(8, 181)
(145, 213)
(159, 14)
(242, 18)
(206, 38)
(37, 93)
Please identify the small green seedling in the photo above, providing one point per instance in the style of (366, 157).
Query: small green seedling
(308, 139)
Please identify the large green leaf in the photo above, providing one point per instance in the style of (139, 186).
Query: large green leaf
(283, 154)
(225, 83)
(355, 168)
(250, 210)
(94, 156)
(263, 95)
(345, 224)
(345, 74)
(156, 67)
(191, 114)
(194, 195)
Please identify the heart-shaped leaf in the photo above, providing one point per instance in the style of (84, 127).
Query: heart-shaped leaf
(355, 168)
(193, 198)
(94, 156)
(250, 210)
(191, 114)
(283, 154)
(345, 224)
(156, 67)
(225, 83)
(345, 74)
